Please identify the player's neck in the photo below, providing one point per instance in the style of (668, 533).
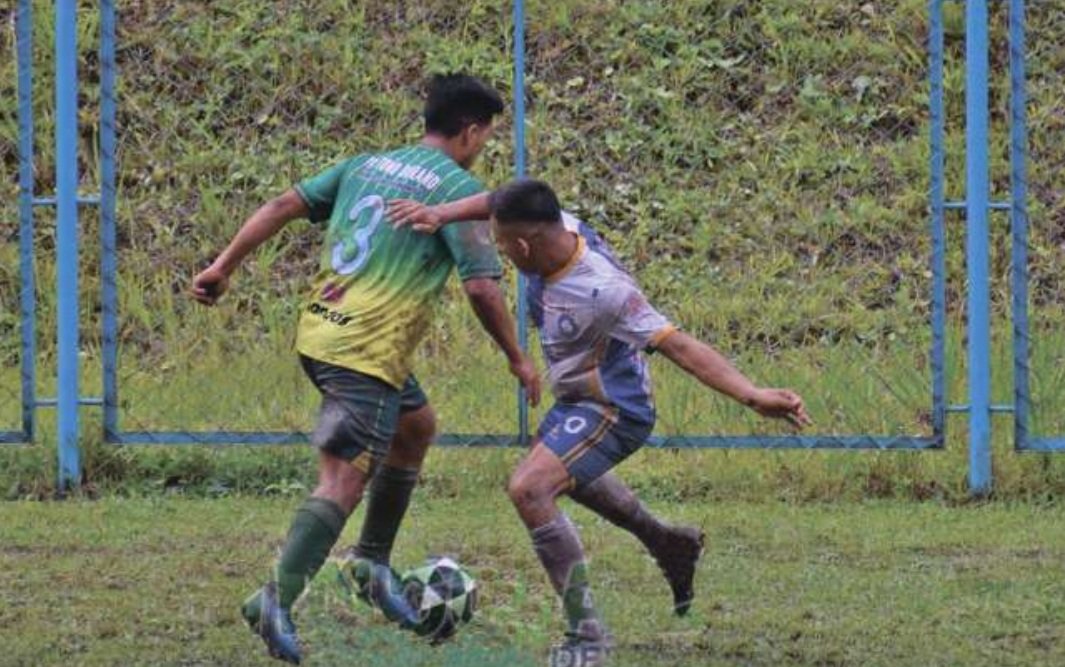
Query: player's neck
(442, 144)
(558, 253)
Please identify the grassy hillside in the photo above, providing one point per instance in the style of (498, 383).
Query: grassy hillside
(763, 167)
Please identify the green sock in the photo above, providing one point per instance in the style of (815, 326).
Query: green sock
(315, 529)
(386, 504)
(577, 598)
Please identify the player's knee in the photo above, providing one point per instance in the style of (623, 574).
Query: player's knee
(421, 427)
(525, 490)
(413, 438)
(416, 429)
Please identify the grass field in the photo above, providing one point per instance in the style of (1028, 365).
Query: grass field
(156, 581)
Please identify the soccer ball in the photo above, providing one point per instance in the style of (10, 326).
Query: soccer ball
(443, 594)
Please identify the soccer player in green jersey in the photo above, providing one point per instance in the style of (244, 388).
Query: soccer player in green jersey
(369, 307)
(594, 325)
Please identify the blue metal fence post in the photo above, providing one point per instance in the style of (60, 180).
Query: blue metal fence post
(66, 176)
(108, 249)
(28, 293)
(1019, 220)
(977, 198)
(938, 199)
(519, 171)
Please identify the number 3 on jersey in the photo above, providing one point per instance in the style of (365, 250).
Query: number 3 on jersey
(353, 248)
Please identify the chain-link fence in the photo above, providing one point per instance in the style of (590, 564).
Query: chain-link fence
(764, 170)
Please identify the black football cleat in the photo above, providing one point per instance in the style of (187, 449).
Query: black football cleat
(677, 558)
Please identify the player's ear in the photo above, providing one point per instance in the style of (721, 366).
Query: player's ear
(525, 248)
(477, 134)
(468, 135)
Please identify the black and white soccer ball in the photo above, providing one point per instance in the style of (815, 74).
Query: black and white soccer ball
(443, 594)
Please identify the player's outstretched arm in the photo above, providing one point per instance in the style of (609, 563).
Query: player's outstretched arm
(428, 219)
(212, 282)
(715, 371)
(486, 299)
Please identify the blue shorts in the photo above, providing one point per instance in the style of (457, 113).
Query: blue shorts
(589, 442)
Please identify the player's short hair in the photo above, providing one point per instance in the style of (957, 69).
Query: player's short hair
(456, 101)
(525, 200)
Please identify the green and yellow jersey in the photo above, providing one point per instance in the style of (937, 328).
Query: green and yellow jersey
(374, 295)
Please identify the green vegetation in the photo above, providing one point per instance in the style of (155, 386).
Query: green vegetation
(763, 168)
(158, 581)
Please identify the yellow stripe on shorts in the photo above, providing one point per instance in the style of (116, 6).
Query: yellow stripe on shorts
(592, 440)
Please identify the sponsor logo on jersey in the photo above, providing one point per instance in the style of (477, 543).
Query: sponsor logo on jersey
(329, 315)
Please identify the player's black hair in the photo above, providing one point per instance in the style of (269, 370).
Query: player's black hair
(525, 200)
(456, 101)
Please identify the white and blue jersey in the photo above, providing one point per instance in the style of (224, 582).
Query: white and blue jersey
(594, 323)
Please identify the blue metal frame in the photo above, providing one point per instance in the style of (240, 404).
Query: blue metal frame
(1024, 441)
(977, 244)
(207, 438)
(935, 441)
(109, 248)
(519, 171)
(66, 176)
(1019, 225)
(856, 442)
(859, 442)
(937, 198)
(883, 443)
(28, 282)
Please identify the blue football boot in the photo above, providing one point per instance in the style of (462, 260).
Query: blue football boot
(273, 623)
(379, 586)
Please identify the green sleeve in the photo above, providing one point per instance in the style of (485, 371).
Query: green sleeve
(470, 242)
(319, 192)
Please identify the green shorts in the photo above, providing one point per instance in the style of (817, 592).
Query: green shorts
(359, 412)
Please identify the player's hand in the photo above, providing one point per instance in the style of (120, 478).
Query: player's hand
(209, 285)
(420, 218)
(780, 404)
(525, 371)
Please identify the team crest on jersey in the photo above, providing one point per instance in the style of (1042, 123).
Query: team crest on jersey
(567, 326)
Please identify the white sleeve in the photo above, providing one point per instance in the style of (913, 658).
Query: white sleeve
(634, 320)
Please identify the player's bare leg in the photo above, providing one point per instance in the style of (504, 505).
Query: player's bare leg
(534, 488)
(676, 549)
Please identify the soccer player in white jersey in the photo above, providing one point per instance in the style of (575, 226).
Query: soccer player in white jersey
(594, 324)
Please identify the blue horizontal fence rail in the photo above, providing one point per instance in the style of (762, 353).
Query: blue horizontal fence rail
(857, 442)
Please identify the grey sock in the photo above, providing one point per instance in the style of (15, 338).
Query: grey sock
(559, 548)
(386, 505)
(611, 499)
